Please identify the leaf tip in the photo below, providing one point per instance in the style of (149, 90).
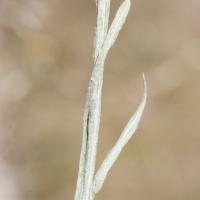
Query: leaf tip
(143, 76)
(145, 85)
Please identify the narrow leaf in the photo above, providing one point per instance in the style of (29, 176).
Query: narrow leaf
(103, 10)
(110, 38)
(92, 110)
(93, 107)
(115, 151)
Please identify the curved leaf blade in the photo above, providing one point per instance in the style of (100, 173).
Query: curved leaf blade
(115, 151)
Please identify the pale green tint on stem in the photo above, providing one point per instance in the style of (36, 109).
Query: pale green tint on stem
(86, 186)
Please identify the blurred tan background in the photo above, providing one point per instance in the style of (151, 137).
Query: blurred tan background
(46, 62)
